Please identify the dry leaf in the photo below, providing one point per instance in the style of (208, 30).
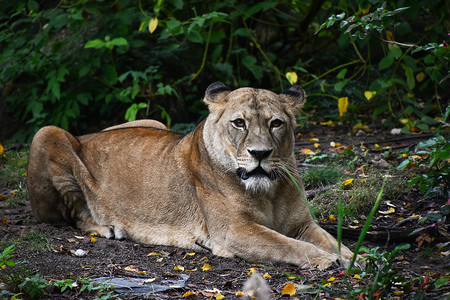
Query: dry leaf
(313, 140)
(178, 268)
(333, 218)
(289, 289)
(187, 294)
(327, 123)
(251, 270)
(391, 210)
(206, 267)
(348, 181)
(317, 145)
(307, 151)
(267, 276)
(5, 221)
(219, 296)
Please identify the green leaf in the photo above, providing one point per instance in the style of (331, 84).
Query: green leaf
(395, 52)
(404, 164)
(410, 80)
(119, 42)
(194, 35)
(109, 74)
(385, 62)
(97, 43)
(341, 74)
(340, 85)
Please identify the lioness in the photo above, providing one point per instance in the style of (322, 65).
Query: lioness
(225, 186)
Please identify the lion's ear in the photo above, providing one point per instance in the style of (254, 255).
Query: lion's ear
(216, 93)
(295, 97)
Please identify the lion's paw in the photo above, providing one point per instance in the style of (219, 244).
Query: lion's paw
(325, 262)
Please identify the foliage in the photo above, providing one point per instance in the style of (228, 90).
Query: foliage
(86, 64)
(5, 257)
(432, 156)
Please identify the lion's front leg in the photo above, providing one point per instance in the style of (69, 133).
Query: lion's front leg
(317, 236)
(258, 243)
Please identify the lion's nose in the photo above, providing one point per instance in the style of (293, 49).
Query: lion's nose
(259, 154)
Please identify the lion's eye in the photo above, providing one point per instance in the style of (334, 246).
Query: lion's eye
(239, 123)
(276, 123)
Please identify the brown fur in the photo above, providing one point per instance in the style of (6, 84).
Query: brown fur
(158, 187)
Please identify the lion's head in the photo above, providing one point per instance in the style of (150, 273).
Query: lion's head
(251, 132)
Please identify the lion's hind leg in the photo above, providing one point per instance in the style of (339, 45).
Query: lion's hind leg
(55, 194)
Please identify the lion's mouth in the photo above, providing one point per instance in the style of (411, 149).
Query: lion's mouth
(257, 172)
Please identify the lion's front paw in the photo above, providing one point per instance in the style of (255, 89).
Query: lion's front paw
(325, 262)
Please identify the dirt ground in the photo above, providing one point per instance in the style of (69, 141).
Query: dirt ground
(157, 272)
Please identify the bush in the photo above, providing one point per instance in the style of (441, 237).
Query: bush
(84, 65)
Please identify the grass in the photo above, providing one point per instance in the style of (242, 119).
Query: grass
(317, 177)
(358, 196)
(13, 172)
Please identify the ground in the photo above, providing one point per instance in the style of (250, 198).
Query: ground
(60, 253)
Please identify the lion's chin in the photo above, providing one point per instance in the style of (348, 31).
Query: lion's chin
(257, 180)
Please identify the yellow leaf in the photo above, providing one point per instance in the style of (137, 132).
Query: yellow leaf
(141, 26)
(404, 155)
(317, 145)
(389, 35)
(187, 294)
(204, 258)
(289, 289)
(313, 140)
(267, 276)
(307, 151)
(251, 270)
(357, 276)
(153, 24)
(420, 77)
(348, 181)
(369, 95)
(191, 254)
(351, 198)
(239, 293)
(292, 77)
(206, 267)
(327, 123)
(342, 105)
(327, 284)
(71, 240)
(391, 210)
(331, 279)
(178, 268)
(93, 239)
(153, 254)
(378, 146)
(333, 218)
(219, 296)
(2, 149)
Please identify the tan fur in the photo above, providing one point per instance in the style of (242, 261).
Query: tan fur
(158, 187)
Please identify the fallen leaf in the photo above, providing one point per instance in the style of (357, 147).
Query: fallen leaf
(187, 294)
(3, 197)
(331, 279)
(219, 296)
(239, 293)
(80, 252)
(71, 240)
(132, 268)
(204, 258)
(317, 145)
(153, 254)
(153, 24)
(2, 149)
(333, 218)
(313, 140)
(206, 267)
(289, 289)
(178, 268)
(307, 151)
(292, 77)
(267, 276)
(348, 181)
(342, 105)
(251, 270)
(391, 210)
(357, 276)
(93, 239)
(327, 123)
